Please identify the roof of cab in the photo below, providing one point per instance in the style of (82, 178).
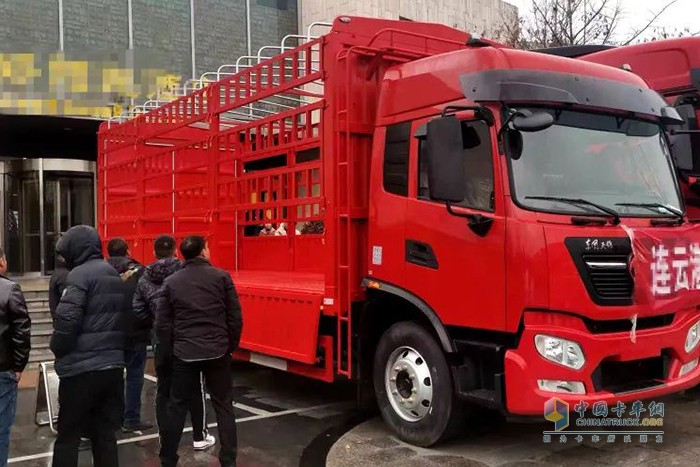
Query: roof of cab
(670, 65)
(436, 79)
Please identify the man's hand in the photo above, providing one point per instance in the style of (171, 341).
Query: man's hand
(18, 375)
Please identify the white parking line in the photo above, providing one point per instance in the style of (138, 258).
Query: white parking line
(252, 410)
(136, 439)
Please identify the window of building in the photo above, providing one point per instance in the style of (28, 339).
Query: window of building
(478, 167)
(396, 149)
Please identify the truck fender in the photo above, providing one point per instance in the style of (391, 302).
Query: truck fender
(439, 328)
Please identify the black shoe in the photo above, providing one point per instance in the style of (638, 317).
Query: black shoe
(85, 444)
(140, 426)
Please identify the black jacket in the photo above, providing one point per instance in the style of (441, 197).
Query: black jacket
(149, 287)
(56, 285)
(14, 327)
(89, 324)
(198, 315)
(130, 271)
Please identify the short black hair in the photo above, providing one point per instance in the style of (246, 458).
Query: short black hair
(191, 247)
(164, 246)
(117, 247)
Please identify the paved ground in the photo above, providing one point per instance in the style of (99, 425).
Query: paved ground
(285, 420)
(279, 415)
(521, 444)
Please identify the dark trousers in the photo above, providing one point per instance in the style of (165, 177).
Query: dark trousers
(93, 403)
(185, 383)
(8, 406)
(197, 407)
(135, 365)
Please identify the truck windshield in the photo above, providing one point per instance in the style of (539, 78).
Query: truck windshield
(618, 163)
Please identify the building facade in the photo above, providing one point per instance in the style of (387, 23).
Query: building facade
(67, 64)
(481, 17)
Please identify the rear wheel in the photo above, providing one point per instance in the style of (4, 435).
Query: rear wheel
(413, 386)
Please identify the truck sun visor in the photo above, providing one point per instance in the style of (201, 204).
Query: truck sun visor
(532, 86)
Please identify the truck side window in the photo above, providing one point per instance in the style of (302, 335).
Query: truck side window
(396, 149)
(479, 168)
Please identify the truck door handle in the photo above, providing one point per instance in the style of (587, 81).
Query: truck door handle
(421, 254)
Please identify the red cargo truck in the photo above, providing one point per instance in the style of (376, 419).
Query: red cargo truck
(672, 68)
(459, 224)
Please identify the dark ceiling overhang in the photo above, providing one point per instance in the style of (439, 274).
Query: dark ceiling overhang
(46, 136)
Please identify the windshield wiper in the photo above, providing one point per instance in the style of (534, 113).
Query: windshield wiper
(580, 201)
(655, 207)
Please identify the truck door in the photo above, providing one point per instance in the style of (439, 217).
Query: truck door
(456, 269)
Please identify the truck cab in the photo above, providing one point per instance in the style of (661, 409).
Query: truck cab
(509, 193)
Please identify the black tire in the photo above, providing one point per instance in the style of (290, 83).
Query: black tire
(447, 415)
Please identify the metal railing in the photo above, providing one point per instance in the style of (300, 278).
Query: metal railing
(243, 62)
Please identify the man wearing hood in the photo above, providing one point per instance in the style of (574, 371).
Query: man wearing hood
(137, 336)
(88, 342)
(149, 287)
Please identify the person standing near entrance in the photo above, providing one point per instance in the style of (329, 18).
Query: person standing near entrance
(14, 351)
(88, 342)
(198, 320)
(149, 287)
(137, 336)
(57, 284)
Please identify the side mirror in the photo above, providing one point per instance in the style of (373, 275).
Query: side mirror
(685, 145)
(532, 122)
(445, 158)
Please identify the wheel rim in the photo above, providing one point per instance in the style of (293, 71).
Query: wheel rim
(408, 383)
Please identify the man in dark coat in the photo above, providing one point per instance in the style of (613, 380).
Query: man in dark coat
(88, 342)
(14, 351)
(57, 284)
(198, 320)
(149, 287)
(137, 336)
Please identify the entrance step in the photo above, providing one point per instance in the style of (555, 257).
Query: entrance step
(33, 284)
(42, 329)
(41, 341)
(40, 355)
(34, 303)
(40, 313)
(36, 295)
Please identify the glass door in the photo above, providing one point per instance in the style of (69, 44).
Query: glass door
(69, 200)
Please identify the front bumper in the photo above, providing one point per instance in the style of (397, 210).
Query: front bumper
(524, 365)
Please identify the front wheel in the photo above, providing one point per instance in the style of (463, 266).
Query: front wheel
(413, 386)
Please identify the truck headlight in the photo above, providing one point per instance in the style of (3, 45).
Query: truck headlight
(561, 351)
(693, 337)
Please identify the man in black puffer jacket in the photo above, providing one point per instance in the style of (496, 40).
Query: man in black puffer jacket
(137, 336)
(88, 342)
(149, 287)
